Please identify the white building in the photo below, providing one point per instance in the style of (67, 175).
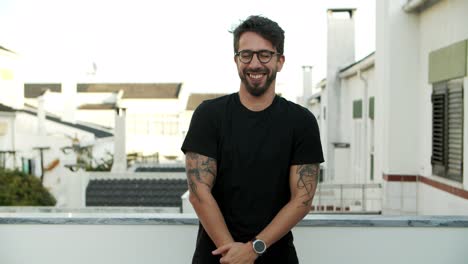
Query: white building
(422, 53)
(157, 115)
(10, 79)
(38, 142)
(396, 117)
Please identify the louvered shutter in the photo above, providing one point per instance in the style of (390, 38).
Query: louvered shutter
(455, 130)
(439, 126)
(447, 130)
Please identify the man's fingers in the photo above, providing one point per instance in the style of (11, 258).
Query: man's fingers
(221, 249)
(222, 260)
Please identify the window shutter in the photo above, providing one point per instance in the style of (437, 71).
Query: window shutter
(357, 109)
(455, 130)
(439, 139)
(371, 107)
(447, 130)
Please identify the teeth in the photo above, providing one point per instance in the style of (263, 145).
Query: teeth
(256, 76)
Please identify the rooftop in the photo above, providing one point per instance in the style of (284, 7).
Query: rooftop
(33, 90)
(136, 192)
(98, 133)
(134, 90)
(196, 99)
(5, 108)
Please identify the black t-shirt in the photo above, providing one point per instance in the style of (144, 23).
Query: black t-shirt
(254, 152)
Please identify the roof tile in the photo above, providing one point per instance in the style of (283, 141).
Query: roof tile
(136, 192)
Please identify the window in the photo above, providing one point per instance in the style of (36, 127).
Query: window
(447, 129)
(153, 124)
(371, 107)
(28, 166)
(357, 109)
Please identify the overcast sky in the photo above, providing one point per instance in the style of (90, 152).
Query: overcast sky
(167, 41)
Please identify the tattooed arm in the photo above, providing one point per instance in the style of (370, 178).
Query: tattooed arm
(302, 182)
(201, 176)
(305, 177)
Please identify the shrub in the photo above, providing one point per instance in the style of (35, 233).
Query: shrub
(20, 189)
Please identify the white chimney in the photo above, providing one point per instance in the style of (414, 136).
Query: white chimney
(340, 53)
(41, 116)
(69, 101)
(307, 85)
(120, 155)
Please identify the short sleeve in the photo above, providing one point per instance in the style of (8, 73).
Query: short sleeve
(307, 146)
(202, 135)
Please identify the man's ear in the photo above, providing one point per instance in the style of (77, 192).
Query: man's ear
(280, 62)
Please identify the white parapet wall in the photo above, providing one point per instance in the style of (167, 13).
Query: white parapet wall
(122, 238)
(187, 207)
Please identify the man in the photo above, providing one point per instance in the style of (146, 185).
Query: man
(252, 159)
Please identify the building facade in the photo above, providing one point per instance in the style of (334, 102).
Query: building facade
(396, 117)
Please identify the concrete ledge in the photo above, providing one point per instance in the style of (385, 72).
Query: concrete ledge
(147, 238)
(333, 220)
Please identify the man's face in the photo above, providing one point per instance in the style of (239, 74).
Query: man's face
(257, 77)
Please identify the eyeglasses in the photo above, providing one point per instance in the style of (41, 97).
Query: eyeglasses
(264, 56)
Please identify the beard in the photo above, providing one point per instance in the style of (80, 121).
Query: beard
(254, 89)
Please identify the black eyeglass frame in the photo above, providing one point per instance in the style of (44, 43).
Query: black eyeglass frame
(272, 53)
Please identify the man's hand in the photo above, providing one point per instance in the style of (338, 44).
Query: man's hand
(236, 253)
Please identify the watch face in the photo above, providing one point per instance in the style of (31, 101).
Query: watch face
(259, 246)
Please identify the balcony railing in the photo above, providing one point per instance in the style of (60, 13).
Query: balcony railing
(349, 198)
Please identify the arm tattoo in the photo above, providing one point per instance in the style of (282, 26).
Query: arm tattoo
(308, 175)
(201, 170)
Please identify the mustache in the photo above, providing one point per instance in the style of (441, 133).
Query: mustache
(256, 70)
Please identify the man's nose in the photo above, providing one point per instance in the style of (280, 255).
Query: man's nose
(255, 62)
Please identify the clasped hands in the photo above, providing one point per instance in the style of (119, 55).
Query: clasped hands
(236, 253)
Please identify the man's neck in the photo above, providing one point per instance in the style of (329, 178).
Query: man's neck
(257, 103)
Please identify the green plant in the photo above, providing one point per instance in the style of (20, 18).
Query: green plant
(20, 189)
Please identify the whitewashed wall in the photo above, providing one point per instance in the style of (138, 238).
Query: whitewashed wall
(105, 118)
(403, 102)
(397, 69)
(11, 80)
(175, 243)
(7, 135)
(440, 26)
(436, 202)
(56, 137)
(165, 145)
(357, 168)
(323, 129)
(146, 143)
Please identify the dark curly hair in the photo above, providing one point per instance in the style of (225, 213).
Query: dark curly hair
(268, 29)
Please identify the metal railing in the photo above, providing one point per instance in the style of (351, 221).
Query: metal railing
(349, 198)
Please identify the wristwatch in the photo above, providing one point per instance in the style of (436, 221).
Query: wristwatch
(259, 246)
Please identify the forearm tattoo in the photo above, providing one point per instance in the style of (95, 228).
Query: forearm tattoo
(308, 175)
(201, 170)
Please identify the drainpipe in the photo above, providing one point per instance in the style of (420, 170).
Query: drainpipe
(13, 139)
(365, 117)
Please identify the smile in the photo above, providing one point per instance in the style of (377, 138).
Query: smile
(256, 75)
